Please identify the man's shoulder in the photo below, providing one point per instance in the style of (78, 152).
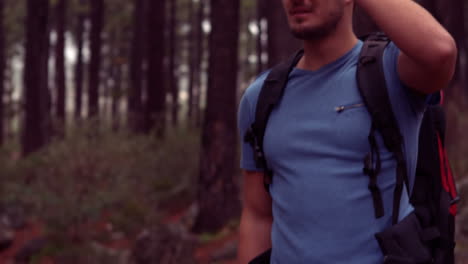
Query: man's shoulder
(399, 93)
(252, 92)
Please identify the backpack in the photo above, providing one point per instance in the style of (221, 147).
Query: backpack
(426, 235)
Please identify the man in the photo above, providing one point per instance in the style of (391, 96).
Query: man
(318, 208)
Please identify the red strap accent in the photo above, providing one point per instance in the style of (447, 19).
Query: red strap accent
(448, 181)
(443, 171)
(451, 183)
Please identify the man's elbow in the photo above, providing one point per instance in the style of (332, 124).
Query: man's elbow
(442, 65)
(445, 57)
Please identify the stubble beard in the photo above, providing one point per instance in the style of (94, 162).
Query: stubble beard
(321, 31)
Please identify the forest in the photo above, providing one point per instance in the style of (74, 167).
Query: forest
(118, 133)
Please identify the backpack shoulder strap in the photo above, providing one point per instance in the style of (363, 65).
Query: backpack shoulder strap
(437, 115)
(270, 95)
(373, 88)
(434, 195)
(428, 184)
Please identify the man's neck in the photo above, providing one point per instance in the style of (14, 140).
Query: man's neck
(318, 53)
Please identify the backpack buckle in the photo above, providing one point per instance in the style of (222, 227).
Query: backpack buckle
(378, 36)
(455, 200)
(251, 138)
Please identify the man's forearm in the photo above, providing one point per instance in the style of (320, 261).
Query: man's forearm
(413, 29)
(254, 237)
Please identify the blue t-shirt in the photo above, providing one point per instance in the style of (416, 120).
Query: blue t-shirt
(322, 207)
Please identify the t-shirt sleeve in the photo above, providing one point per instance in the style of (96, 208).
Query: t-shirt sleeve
(245, 119)
(405, 95)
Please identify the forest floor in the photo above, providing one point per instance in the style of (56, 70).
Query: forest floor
(204, 252)
(219, 249)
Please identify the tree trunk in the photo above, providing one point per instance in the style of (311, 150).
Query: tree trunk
(116, 96)
(12, 108)
(192, 58)
(135, 105)
(8, 105)
(250, 70)
(362, 23)
(456, 27)
(464, 56)
(2, 72)
(281, 43)
(173, 46)
(260, 47)
(37, 97)
(119, 51)
(156, 101)
(198, 62)
(60, 25)
(79, 63)
(218, 194)
(431, 6)
(97, 17)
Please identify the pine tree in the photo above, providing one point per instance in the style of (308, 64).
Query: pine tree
(218, 194)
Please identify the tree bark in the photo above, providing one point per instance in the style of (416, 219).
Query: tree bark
(60, 25)
(79, 63)
(37, 97)
(8, 105)
(456, 27)
(116, 96)
(431, 6)
(198, 63)
(218, 194)
(260, 48)
(156, 101)
(464, 71)
(119, 51)
(173, 46)
(2, 72)
(97, 17)
(192, 58)
(281, 43)
(362, 23)
(135, 104)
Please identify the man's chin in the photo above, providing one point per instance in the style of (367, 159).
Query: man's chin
(310, 33)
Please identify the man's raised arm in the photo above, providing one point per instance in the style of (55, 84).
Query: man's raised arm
(256, 219)
(429, 53)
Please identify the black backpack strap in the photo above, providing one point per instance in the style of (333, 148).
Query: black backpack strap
(270, 95)
(437, 115)
(428, 185)
(434, 195)
(373, 88)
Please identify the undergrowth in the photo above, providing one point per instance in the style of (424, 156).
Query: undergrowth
(89, 177)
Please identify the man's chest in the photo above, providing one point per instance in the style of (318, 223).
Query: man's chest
(318, 120)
